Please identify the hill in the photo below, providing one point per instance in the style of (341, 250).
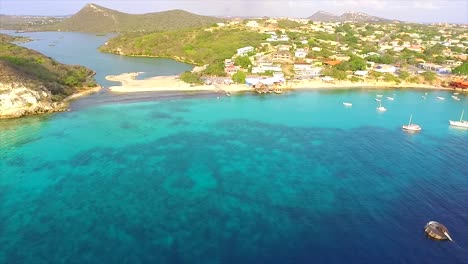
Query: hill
(32, 83)
(322, 16)
(98, 19)
(195, 46)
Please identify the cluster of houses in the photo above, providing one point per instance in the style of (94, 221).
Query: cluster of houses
(292, 57)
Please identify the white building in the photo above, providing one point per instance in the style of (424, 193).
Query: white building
(243, 51)
(384, 68)
(300, 53)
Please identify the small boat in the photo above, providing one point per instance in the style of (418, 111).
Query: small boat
(381, 108)
(379, 95)
(378, 100)
(278, 91)
(461, 123)
(390, 98)
(228, 94)
(456, 93)
(423, 97)
(410, 126)
(347, 104)
(437, 231)
(440, 98)
(455, 98)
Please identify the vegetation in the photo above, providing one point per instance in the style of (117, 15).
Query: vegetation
(94, 18)
(239, 77)
(28, 66)
(190, 77)
(191, 45)
(243, 61)
(462, 69)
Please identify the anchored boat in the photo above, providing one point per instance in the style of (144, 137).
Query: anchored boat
(410, 126)
(437, 231)
(461, 123)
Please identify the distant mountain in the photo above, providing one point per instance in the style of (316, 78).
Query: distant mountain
(323, 16)
(27, 22)
(98, 19)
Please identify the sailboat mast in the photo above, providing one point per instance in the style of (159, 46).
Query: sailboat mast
(411, 117)
(461, 117)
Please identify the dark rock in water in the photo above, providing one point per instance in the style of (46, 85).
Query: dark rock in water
(437, 231)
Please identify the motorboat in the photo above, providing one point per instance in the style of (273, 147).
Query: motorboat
(378, 100)
(455, 98)
(440, 98)
(410, 126)
(390, 98)
(379, 95)
(461, 123)
(347, 104)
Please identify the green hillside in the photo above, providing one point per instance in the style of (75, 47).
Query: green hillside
(195, 46)
(38, 72)
(98, 19)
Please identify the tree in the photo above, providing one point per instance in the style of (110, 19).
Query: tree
(243, 61)
(462, 69)
(404, 75)
(429, 76)
(239, 77)
(190, 77)
(216, 69)
(356, 64)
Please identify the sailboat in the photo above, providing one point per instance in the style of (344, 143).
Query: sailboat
(410, 126)
(381, 108)
(461, 123)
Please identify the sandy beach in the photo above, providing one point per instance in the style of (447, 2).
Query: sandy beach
(164, 83)
(130, 84)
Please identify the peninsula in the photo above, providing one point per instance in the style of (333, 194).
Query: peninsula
(31, 83)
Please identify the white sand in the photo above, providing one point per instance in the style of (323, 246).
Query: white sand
(164, 83)
(172, 83)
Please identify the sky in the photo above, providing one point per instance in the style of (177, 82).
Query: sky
(424, 11)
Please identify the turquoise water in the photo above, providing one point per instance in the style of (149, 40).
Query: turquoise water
(193, 178)
(82, 49)
(292, 178)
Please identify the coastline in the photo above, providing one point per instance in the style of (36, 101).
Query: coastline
(88, 91)
(129, 84)
(176, 58)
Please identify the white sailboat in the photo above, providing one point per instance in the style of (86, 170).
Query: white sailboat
(381, 108)
(461, 123)
(410, 126)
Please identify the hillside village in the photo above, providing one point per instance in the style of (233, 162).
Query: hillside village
(298, 49)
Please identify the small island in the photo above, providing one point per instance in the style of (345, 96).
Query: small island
(31, 83)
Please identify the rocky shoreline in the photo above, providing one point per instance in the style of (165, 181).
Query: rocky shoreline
(18, 100)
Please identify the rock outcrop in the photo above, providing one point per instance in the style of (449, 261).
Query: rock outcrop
(18, 99)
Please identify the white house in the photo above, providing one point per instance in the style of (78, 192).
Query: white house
(300, 53)
(243, 51)
(360, 73)
(384, 68)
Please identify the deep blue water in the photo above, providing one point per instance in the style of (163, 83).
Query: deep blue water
(291, 178)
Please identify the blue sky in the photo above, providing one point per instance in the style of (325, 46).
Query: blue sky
(453, 11)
